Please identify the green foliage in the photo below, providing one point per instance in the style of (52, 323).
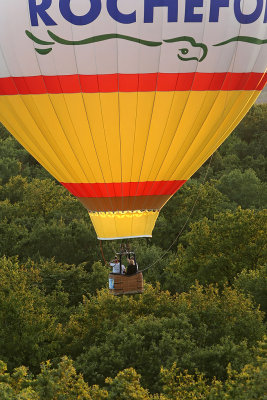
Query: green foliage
(75, 280)
(254, 283)
(248, 143)
(15, 160)
(175, 214)
(60, 383)
(244, 188)
(202, 329)
(60, 240)
(159, 346)
(215, 251)
(28, 331)
(39, 219)
(249, 383)
(63, 383)
(180, 385)
(126, 386)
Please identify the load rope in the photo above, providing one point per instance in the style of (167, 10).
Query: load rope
(186, 222)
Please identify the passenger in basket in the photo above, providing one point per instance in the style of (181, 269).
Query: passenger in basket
(115, 264)
(132, 267)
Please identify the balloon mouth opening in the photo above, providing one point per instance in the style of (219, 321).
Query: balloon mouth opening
(125, 237)
(124, 224)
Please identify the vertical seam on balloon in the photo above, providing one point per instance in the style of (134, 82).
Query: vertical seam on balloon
(227, 132)
(109, 198)
(7, 98)
(74, 130)
(85, 109)
(22, 100)
(119, 112)
(190, 91)
(232, 62)
(164, 184)
(222, 138)
(234, 122)
(104, 129)
(134, 138)
(135, 127)
(174, 168)
(63, 130)
(151, 116)
(218, 123)
(118, 104)
(22, 141)
(52, 105)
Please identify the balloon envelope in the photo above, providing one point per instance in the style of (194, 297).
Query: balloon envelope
(122, 101)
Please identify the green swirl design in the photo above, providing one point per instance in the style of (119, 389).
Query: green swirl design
(44, 51)
(36, 39)
(247, 39)
(100, 38)
(184, 54)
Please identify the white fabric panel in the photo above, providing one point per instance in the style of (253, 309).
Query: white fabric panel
(18, 55)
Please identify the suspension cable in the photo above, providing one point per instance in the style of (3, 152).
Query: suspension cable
(101, 249)
(186, 222)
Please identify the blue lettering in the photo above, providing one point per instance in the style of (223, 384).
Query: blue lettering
(40, 10)
(215, 9)
(93, 13)
(244, 18)
(112, 7)
(151, 4)
(190, 16)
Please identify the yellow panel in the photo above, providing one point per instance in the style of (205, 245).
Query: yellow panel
(195, 113)
(23, 126)
(110, 113)
(227, 124)
(95, 117)
(162, 136)
(43, 112)
(128, 106)
(124, 224)
(144, 112)
(71, 112)
(167, 115)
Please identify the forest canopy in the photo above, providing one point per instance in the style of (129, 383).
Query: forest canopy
(199, 329)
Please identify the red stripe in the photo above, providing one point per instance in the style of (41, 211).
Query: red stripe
(132, 83)
(123, 189)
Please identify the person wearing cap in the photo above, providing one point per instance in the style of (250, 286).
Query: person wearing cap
(115, 264)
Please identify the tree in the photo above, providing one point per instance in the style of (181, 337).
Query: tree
(59, 383)
(244, 188)
(208, 200)
(126, 386)
(249, 383)
(203, 329)
(246, 147)
(29, 333)
(254, 283)
(14, 189)
(74, 280)
(215, 251)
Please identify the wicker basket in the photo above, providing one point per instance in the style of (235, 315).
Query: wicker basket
(126, 284)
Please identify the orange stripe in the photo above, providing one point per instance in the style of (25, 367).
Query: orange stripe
(132, 83)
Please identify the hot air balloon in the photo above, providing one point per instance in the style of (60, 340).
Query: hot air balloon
(123, 100)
